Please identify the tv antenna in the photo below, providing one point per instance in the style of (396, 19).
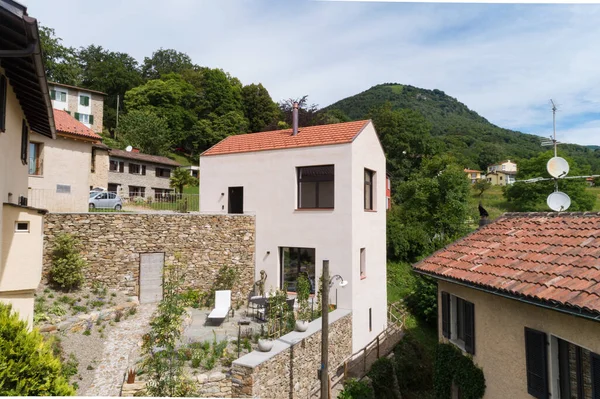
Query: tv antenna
(558, 168)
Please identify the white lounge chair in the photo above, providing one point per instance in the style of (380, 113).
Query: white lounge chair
(222, 305)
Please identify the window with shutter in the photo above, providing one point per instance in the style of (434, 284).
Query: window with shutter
(121, 166)
(144, 170)
(446, 314)
(24, 142)
(595, 373)
(53, 94)
(91, 119)
(3, 89)
(469, 327)
(536, 363)
(77, 115)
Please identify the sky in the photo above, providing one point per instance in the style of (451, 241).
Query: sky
(504, 61)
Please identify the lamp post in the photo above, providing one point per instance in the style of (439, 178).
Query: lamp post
(326, 285)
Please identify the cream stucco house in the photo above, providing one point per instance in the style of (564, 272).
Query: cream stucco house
(24, 106)
(522, 296)
(62, 171)
(85, 105)
(318, 194)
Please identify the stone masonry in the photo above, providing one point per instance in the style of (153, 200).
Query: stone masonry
(149, 181)
(112, 243)
(292, 370)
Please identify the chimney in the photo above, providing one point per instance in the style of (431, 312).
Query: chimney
(135, 150)
(295, 119)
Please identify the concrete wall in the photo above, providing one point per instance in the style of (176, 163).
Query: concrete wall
(500, 338)
(113, 243)
(269, 179)
(290, 369)
(99, 175)
(65, 161)
(149, 181)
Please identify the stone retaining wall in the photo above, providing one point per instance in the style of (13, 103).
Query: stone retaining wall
(212, 385)
(112, 243)
(290, 368)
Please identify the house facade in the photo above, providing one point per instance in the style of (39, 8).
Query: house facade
(84, 105)
(474, 175)
(132, 174)
(521, 296)
(504, 166)
(24, 106)
(501, 178)
(60, 170)
(317, 195)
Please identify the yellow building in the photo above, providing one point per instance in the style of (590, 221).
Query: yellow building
(501, 178)
(474, 175)
(524, 304)
(24, 106)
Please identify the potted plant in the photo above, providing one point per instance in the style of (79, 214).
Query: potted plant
(302, 295)
(265, 342)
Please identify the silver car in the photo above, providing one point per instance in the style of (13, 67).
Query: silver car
(104, 199)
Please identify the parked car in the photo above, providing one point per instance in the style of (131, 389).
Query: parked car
(104, 199)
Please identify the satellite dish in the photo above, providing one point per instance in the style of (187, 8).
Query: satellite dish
(557, 167)
(129, 148)
(558, 201)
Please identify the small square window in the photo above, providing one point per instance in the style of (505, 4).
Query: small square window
(22, 227)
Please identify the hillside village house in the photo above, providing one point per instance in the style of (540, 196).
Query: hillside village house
(136, 175)
(24, 105)
(474, 175)
(61, 171)
(318, 193)
(85, 105)
(522, 296)
(501, 178)
(504, 166)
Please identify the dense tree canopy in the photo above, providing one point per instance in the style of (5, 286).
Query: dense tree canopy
(145, 130)
(60, 61)
(165, 61)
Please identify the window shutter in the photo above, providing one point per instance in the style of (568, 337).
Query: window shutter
(121, 166)
(536, 362)
(91, 119)
(24, 142)
(469, 327)
(3, 89)
(446, 314)
(52, 94)
(595, 372)
(77, 115)
(144, 170)
(67, 111)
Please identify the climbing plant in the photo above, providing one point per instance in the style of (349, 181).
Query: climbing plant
(451, 366)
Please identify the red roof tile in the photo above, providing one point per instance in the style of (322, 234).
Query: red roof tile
(338, 133)
(65, 123)
(550, 257)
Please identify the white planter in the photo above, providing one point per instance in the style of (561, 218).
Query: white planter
(301, 325)
(265, 345)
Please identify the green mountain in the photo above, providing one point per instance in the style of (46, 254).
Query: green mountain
(465, 134)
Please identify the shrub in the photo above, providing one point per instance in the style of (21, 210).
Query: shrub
(413, 365)
(355, 389)
(67, 264)
(383, 379)
(191, 297)
(423, 299)
(451, 366)
(29, 367)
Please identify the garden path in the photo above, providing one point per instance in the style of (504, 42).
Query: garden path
(122, 344)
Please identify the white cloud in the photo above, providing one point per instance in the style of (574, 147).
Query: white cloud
(503, 61)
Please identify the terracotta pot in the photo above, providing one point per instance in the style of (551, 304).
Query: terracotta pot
(265, 345)
(301, 325)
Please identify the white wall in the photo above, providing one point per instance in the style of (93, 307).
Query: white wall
(270, 191)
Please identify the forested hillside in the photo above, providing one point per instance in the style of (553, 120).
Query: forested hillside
(465, 134)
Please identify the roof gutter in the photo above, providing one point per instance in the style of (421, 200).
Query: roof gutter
(539, 303)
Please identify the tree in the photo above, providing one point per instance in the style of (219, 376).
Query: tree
(482, 185)
(165, 61)
(220, 94)
(28, 366)
(308, 114)
(146, 131)
(67, 264)
(61, 62)
(181, 178)
(526, 197)
(259, 108)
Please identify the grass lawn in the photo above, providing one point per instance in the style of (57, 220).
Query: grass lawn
(182, 159)
(191, 190)
(596, 190)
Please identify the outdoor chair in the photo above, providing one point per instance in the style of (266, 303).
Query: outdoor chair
(222, 305)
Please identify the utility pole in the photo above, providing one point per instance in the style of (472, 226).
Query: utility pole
(554, 125)
(325, 332)
(117, 112)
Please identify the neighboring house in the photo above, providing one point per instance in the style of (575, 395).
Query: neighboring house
(193, 169)
(522, 296)
(24, 105)
(388, 192)
(136, 175)
(504, 166)
(317, 195)
(85, 105)
(99, 167)
(501, 178)
(474, 175)
(60, 170)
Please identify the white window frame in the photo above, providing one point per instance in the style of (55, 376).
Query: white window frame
(18, 230)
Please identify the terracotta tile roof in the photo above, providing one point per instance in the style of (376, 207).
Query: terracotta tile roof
(338, 133)
(549, 257)
(65, 123)
(138, 156)
(76, 87)
(472, 171)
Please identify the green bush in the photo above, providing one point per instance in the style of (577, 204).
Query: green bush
(67, 264)
(27, 365)
(191, 297)
(383, 379)
(355, 389)
(423, 299)
(452, 366)
(413, 365)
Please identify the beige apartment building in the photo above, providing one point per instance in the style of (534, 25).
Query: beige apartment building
(522, 297)
(25, 105)
(84, 105)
